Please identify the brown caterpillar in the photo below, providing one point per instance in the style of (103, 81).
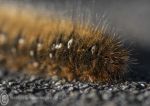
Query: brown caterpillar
(58, 46)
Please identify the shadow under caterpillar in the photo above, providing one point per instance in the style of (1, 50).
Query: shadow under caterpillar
(58, 46)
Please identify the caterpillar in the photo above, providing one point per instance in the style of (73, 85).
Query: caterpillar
(53, 45)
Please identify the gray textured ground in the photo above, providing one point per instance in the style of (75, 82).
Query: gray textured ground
(24, 90)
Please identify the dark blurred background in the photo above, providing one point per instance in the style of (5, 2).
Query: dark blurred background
(129, 17)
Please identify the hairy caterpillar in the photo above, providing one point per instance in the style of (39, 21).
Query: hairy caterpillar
(58, 46)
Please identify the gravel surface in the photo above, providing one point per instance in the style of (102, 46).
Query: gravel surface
(25, 90)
